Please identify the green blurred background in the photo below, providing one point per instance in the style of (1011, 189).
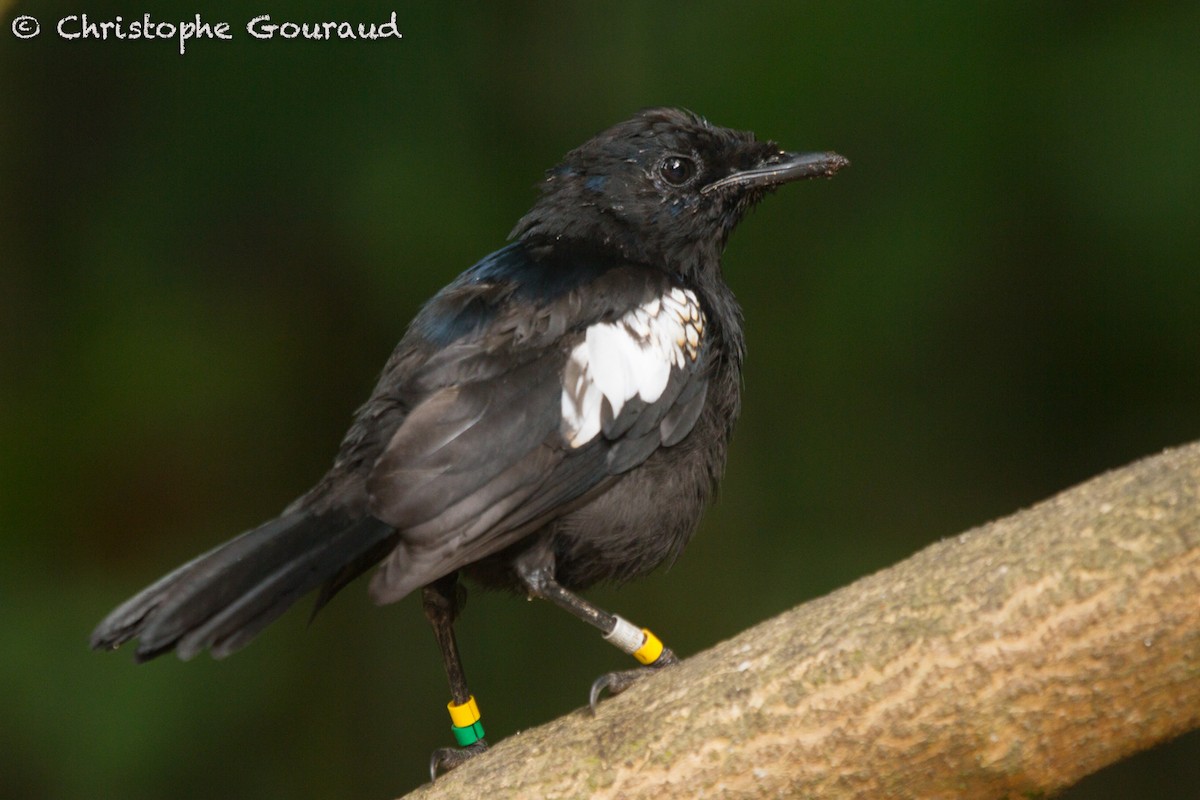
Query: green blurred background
(204, 260)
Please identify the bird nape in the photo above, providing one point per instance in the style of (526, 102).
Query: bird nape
(556, 417)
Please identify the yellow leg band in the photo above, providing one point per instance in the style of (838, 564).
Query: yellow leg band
(467, 714)
(650, 650)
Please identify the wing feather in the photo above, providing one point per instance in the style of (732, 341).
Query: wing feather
(533, 408)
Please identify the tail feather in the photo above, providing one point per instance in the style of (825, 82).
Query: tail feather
(242, 620)
(367, 559)
(127, 620)
(224, 598)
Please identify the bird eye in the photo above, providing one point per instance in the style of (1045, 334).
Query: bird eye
(677, 170)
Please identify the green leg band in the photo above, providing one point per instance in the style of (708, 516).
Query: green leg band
(468, 735)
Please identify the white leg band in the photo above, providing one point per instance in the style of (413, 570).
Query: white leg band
(626, 635)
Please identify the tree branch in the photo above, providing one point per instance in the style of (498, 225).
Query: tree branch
(1011, 660)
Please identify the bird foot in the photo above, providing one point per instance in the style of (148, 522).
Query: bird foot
(617, 682)
(445, 759)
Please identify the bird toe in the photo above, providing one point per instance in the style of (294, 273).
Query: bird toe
(445, 759)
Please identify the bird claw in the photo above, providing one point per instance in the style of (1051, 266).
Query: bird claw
(616, 682)
(445, 759)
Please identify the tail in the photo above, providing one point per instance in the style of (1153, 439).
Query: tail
(224, 598)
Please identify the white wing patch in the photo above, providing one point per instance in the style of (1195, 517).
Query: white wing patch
(631, 357)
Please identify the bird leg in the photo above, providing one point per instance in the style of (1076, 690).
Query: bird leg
(535, 568)
(442, 602)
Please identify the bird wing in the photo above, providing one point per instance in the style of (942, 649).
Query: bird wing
(533, 395)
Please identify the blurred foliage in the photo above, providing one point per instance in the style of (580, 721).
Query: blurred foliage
(204, 259)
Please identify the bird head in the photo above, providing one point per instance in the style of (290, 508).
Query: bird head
(663, 188)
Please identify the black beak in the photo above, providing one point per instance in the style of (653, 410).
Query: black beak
(781, 168)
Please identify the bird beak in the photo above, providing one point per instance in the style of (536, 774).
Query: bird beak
(781, 168)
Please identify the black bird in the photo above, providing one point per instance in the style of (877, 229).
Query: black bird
(556, 417)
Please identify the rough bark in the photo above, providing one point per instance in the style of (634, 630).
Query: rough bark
(1009, 661)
